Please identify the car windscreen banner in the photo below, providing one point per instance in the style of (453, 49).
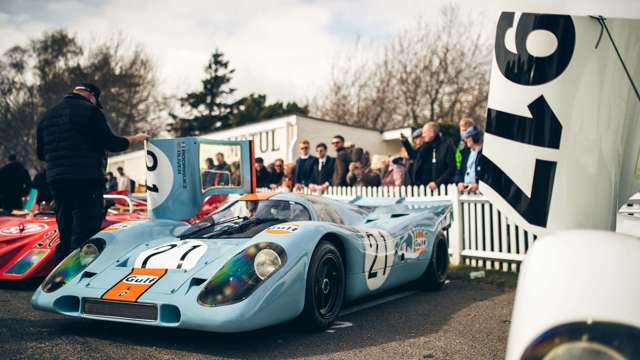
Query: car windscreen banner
(182, 172)
(563, 121)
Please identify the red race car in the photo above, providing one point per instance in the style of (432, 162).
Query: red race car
(27, 242)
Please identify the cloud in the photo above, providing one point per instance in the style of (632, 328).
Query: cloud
(283, 48)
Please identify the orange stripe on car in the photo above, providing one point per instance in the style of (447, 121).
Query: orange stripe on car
(132, 286)
(258, 196)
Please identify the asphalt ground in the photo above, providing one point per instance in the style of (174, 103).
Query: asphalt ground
(464, 320)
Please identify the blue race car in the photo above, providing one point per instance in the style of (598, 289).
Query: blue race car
(260, 260)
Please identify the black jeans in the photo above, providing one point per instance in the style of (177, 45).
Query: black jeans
(79, 213)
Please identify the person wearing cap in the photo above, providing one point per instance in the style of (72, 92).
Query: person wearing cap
(72, 139)
(464, 124)
(417, 139)
(471, 168)
(412, 150)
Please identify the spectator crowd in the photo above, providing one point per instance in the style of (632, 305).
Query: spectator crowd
(428, 159)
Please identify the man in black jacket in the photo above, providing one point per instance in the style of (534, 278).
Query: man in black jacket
(263, 176)
(275, 181)
(72, 139)
(435, 162)
(342, 161)
(323, 170)
(15, 183)
(304, 165)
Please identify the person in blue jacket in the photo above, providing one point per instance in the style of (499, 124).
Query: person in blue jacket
(471, 168)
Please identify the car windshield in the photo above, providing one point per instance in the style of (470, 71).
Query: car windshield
(246, 218)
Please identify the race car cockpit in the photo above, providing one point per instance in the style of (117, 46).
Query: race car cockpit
(246, 218)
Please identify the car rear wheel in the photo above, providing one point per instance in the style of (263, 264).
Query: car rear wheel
(325, 288)
(435, 275)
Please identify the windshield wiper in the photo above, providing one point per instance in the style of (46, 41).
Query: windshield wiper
(199, 228)
(241, 227)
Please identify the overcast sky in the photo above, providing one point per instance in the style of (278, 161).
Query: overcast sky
(283, 48)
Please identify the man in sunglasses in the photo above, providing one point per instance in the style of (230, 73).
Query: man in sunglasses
(73, 138)
(343, 158)
(304, 165)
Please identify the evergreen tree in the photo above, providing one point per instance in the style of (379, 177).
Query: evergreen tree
(210, 108)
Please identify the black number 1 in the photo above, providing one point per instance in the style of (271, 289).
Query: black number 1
(386, 252)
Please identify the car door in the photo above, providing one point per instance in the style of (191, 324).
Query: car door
(182, 172)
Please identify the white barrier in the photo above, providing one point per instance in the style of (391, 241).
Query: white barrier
(480, 235)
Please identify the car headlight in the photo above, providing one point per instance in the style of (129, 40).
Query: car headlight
(586, 341)
(73, 264)
(266, 262)
(242, 274)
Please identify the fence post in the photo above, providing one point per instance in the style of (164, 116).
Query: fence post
(457, 239)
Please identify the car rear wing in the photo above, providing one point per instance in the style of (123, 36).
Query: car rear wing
(395, 207)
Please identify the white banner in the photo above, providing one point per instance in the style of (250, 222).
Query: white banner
(562, 125)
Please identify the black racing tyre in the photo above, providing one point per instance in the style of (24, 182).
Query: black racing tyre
(435, 275)
(325, 288)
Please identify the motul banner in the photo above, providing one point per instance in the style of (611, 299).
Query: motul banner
(563, 123)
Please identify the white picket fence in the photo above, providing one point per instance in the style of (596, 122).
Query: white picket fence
(480, 235)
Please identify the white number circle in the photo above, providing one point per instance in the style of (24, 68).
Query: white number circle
(379, 254)
(183, 255)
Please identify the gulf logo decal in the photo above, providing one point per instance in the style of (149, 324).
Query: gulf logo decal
(23, 229)
(140, 279)
(134, 285)
(283, 229)
(419, 242)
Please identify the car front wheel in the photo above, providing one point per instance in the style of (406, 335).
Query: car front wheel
(325, 287)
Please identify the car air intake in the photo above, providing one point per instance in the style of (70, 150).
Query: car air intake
(123, 310)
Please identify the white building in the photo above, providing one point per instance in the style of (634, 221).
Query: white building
(278, 138)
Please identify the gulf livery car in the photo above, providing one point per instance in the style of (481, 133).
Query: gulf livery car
(27, 243)
(259, 260)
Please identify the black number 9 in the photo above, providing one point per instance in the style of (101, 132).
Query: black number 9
(154, 161)
(523, 68)
(151, 167)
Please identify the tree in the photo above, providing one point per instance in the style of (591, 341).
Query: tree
(36, 76)
(213, 108)
(427, 72)
(126, 76)
(18, 107)
(210, 107)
